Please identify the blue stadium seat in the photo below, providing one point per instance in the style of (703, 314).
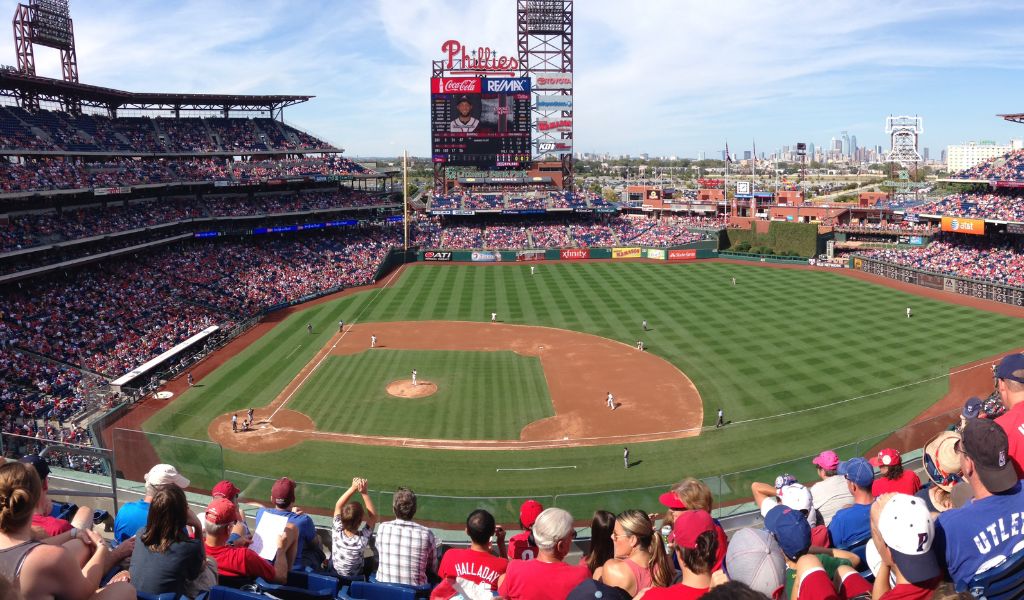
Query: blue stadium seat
(1001, 583)
(219, 592)
(301, 586)
(368, 590)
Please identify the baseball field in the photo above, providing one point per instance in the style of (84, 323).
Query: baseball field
(799, 360)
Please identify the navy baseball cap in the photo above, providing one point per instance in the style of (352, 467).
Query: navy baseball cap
(972, 408)
(462, 99)
(1011, 367)
(791, 530)
(857, 470)
(40, 465)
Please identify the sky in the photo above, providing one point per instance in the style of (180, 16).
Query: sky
(672, 77)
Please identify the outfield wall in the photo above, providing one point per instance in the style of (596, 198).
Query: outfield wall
(985, 290)
(697, 250)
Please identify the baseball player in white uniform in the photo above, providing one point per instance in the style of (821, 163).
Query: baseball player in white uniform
(611, 401)
(734, 281)
(373, 341)
(494, 317)
(465, 122)
(414, 377)
(234, 423)
(909, 312)
(341, 326)
(533, 269)
(625, 456)
(644, 324)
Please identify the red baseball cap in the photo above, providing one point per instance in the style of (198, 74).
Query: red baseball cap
(529, 512)
(220, 511)
(688, 526)
(226, 489)
(671, 501)
(283, 491)
(886, 458)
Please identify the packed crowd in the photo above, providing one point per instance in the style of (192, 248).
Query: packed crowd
(1008, 167)
(31, 229)
(538, 200)
(98, 133)
(97, 318)
(32, 389)
(906, 227)
(845, 532)
(998, 259)
(648, 232)
(999, 207)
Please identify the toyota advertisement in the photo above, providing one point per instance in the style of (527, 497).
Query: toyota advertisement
(481, 122)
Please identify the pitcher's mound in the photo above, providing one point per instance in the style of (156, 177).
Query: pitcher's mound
(403, 388)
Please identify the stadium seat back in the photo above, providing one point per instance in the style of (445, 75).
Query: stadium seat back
(219, 592)
(365, 590)
(1003, 582)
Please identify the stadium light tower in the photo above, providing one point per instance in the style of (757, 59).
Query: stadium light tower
(904, 134)
(544, 31)
(45, 23)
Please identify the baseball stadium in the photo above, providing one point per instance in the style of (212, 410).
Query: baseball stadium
(189, 280)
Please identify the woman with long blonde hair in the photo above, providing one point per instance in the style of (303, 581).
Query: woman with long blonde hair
(640, 557)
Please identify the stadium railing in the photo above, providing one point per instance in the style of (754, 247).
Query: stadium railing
(988, 290)
(206, 463)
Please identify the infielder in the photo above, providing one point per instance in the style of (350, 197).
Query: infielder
(625, 457)
(644, 324)
(611, 401)
(909, 312)
(341, 326)
(721, 419)
(494, 317)
(373, 341)
(640, 345)
(234, 423)
(414, 377)
(249, 414)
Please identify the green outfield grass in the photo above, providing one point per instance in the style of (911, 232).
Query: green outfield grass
(480, 395)
(781, 342)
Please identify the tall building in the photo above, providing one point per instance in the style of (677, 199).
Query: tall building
(925, 154)
(845, 148)
(853, 145)
(965, 156)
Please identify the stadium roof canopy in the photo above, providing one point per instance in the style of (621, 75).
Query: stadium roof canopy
(16, 84)
(1013, 118)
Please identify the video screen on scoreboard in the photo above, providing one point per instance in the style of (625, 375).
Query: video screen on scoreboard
(482, 122)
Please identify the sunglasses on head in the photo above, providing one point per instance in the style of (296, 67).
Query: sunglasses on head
(937, 475)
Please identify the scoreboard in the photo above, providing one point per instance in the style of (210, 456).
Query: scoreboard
(482, 122)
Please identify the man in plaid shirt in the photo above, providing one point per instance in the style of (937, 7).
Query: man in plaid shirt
(408, 551)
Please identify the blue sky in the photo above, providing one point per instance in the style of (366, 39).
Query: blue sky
(674, 77)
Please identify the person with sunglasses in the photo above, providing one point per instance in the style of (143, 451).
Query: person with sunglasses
(942, 466)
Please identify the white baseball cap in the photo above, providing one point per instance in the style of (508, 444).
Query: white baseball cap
(165, 474)
(796, 496)
(907, 529)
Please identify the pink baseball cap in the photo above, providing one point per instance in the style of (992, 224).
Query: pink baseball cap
(827, 460)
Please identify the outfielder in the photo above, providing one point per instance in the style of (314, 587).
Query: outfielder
(414, 377)
(644, 324)
(611, 401)
(494, 317)
(909, 312)
(625, 457)
(721, 419)
(309, 328)
(734, 282)
(373, 341)
(533, 269)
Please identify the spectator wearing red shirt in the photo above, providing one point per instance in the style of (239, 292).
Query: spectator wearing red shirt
(239, 562)
(694, 494)
(43, 519)
(520, 546)
(696, 545)
(477, 564)
(1010, 381)
(547, 577)
(893, 479)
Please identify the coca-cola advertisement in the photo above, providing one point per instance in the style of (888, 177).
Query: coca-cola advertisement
(455, 85)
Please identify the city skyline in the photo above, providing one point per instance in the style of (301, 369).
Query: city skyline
(677, 79)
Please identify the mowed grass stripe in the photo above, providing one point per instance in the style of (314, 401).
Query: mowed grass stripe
(347, 394)
(781, 340)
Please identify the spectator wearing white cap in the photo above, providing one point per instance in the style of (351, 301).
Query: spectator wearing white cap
(831, 493)
(903, 533)
(548, 576)
(133, 515)
(788, 492)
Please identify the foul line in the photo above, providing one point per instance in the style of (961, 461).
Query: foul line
(536, 468)
(338, 341)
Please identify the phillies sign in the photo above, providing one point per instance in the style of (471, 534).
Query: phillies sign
(455, 85)
(479, 60)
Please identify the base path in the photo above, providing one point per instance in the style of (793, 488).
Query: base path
(654, 399)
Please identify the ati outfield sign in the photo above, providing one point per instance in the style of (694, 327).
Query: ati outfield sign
(626, 252)
(573, 254)
(682, 254)
(437, 256)
(962, 225)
